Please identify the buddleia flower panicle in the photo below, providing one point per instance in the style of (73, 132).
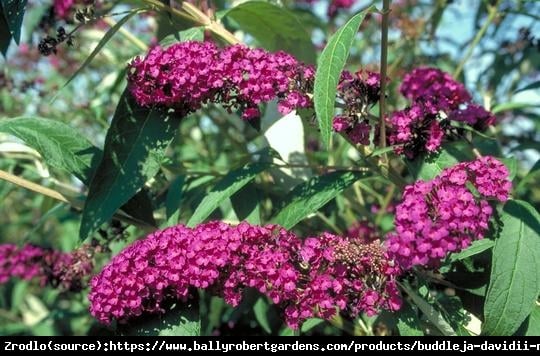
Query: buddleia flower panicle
(443, 215)
(311, 278)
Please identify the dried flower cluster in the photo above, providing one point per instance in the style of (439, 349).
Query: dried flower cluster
(48, 266)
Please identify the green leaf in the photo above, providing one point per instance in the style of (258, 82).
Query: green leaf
(512, 165)
(432, 314)
(274, 27)
(287, 332)
(427, 168)
(179, 320)
(169, 25)
(530, 177)
(260, 309)
(60, 145)
(134, 150)
(310, 324)
(476, 247)
(64, 148)
(408, 322)
(5, 35)
(245, 203)
(100, 46)
(331, 64)
(380, 151)
(191, 34)
(13, 11)
(20, 290)
(515, 271)
(173, 200)
(310, 196)
(466, 127)
(32, 18)
(436, 17)
(513, 106)
(531, 86)
(211, 317)
(226, 187)
(533, 328)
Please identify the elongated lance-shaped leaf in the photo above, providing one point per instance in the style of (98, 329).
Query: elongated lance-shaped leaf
(64, 148)
(224, 189)
(515, 272)
(13, 13)
(260, 309)
(274, 27)
(408, 323)
(331, 64)
(514, 106)
(179, 319)
(431, 313)
(134, 150)
(60, 145)
(191, 34)
(427, 168)
(174, 199)
(533, 328)
(246, 204)
(531, 86)
(476, 248)
(100, 46)
(5, 35)
(310, 196)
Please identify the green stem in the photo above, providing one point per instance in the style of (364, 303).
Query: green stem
(492, 13)
(329, 223)
(386, 202)
(21, 182)
(37, 188)
(386, 171)
(362, 328)
(384, 67)
(343, 324)
(322, 168)
(196, 16)
(137, 42)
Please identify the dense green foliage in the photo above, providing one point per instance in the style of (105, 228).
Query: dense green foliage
(110, 171)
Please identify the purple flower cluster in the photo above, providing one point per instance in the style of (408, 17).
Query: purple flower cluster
(443, 215)
(435, 85)
(304, 279)
(474, 115)
(417, 129)
(336, 5)
(187, 75)
(48, 266)
(358, 92)
(62, 8)
(437, 99)
(20, 262)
